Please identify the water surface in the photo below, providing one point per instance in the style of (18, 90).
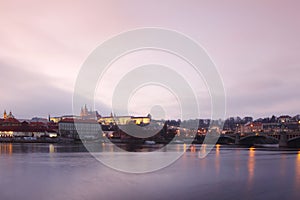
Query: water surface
(53, 171)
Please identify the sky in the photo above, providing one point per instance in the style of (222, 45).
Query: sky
(254, 45)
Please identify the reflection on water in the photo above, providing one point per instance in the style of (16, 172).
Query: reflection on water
(202, 150)
(237, 164)
(69, 172)
(193, 148)
(6, 148)
(51, 148)
(283, 169)
(217, 163)
(251, 165)
(297, 172)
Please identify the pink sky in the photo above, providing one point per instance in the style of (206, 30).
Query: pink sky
(255, 45)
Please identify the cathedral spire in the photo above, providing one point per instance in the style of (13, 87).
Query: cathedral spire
(4, 115)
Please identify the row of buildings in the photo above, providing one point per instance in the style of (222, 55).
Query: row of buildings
(238, 125)
(268, 125)
(91, 125)
(12, 127)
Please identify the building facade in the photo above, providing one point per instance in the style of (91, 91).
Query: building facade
(252, 127)
(11, 127)
(124, 120)
(88, 129)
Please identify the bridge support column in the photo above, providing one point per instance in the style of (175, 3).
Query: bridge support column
(283, 141)
(237, 139)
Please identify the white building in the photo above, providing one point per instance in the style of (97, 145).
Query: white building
(88, 129)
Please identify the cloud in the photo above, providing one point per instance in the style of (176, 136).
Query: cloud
(30, 94)
(254, 45)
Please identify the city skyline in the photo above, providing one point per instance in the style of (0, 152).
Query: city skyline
(149, 99)
(253, 44)
(95, 113)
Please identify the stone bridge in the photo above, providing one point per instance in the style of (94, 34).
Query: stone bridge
(284, 139)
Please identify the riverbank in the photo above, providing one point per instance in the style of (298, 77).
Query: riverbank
(133, 142)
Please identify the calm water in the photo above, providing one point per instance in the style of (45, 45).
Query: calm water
(43, 171)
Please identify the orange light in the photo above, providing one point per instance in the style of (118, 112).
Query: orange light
(218, 148)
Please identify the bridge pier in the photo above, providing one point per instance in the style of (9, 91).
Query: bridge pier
(237, 139)
(283, 140)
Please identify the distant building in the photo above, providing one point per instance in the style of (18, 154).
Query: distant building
(57, 119)
(124, 120)
(247, 119)
(88, 114)
(141, 120)
(54, 119)
(252, 127)
(271, 127)
(39, 119)
(284, 118)
(11, 127)
(113, 120)
(89, 129)
(9, 116)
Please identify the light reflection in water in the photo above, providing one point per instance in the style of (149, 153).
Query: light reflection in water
(51, 148)
(107, 147)
(217, 159)
(251, 165)
(6, 148)
(202, 151)
(178, 148)
(257, 174)
(193, 148)
(297, 172)
(237, 162)
(283, 169)
(184, 147)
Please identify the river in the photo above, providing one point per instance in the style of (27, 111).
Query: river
(57, 172)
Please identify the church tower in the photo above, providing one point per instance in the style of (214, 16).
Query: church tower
(4, 115)
(84, 111)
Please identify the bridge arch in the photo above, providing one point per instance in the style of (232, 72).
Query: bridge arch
(258, 139)
(294, 142)
(226, 139)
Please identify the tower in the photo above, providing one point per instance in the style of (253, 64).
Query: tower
(4, 115)
(81, 112)
(10, 115)
(84, 111)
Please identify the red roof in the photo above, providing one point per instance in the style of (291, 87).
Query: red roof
(23, 128)
(12, 124)
(37, 124)
(11, 120)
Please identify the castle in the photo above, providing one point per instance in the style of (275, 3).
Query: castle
(86, 114)
(113, 119)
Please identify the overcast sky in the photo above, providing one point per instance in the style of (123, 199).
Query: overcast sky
(254, 44)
